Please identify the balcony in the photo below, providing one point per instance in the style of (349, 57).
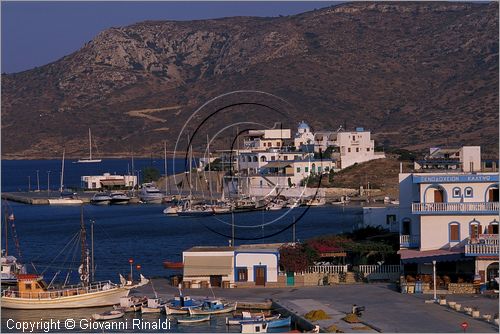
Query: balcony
(485, 245)
(455, 208)
(409, 241)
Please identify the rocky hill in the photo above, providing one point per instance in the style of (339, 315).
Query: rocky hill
(416, 74)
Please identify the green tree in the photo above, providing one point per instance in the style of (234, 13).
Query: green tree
(150, 174)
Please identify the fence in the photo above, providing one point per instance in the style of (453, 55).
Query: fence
(383, 272)
(333, 269)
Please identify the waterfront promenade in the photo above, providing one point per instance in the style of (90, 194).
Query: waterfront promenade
(387, 310)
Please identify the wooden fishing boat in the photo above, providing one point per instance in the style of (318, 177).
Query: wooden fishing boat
(131, 304)
(109, 315)
(283, 322)
(215, 306)
(247, 317)
(154, 305)
(256, 327)
(267, 305)
(181, 305)
(195, 319)
(169, 310)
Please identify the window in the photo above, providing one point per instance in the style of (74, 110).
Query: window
(367, 149)
(357, 149)
(285, 157)
(28, 286)
(278, 143)
(307, 169)
(493, 227)
(319, 169)
(298, 169)
(454, 234)
(353, 137)
(475, 229)
(273, 158)
(349, 149)
(468, 192)
(456, 192)
(390, 219)
(242, 274)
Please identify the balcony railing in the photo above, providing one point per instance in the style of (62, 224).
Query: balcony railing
(409, 241)
(485, 245)
(445, 208)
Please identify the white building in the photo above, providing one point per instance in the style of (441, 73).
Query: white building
(245, 265)
(252, 162)
(262, 140)
(466, 158)
(303, 136)
(356, 147)
(451, 218)
(108, 181)
(386, 217)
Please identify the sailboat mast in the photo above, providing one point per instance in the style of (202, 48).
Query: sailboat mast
(6, 233)
(90, 145)
(92, 248)
(62, 172)
(166, 175)
(84, 256)
(209, 172)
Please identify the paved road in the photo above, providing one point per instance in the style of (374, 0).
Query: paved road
(386, 309)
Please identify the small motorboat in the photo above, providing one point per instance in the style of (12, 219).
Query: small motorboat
(192, 320)
(131, 304)
(109, 315)
(119, 198)
(172, 210)
(181, 305)
(100, 198)
(213, 306)
(154, 305)
(283, 322)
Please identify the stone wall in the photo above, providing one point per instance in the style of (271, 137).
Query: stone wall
(461, 288)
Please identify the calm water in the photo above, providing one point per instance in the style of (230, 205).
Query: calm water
(143, 233)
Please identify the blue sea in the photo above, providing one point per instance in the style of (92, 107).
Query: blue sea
(141, 232)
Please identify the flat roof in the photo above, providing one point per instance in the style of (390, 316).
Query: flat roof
(248, 247)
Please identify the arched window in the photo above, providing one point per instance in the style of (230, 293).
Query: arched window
(255, 159)
(492, 193)
(493, 227)
(456, 192)
(435, 194)
(263, 158)
(454, 232)
(468, 192)
(474, 229)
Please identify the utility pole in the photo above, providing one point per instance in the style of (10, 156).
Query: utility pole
(37, 180)
(48, 182)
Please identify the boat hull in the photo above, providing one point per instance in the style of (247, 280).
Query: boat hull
(93, 299)
(193, 320)
(197, 311)
(64, 201)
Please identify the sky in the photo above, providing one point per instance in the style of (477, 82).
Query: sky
(37, 33)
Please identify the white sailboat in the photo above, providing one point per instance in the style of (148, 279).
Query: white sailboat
(64, 199)
(89, 160)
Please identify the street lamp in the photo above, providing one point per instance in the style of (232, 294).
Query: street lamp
(434, 277)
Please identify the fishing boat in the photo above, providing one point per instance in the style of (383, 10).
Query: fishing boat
(10, 265)
(247, 317)
(109, 315)
(33, 293)
(119, 198)
(131, 303)
(89, 160)
(256, 327)
(281, 322)
(195, 319)
(154, 305)
(150, 194)
(316, 202)
(100, 198)
(213, 306)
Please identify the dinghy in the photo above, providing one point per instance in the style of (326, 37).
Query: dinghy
(192, 320)
(109, 315)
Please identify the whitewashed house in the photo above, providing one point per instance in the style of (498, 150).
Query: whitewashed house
(108, 181)
(356, 147)
(466, 158)
(241, 266)
(451, 218)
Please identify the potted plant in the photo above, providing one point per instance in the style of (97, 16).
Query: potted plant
(468, 310)
(452, 304)
(475, 312)
(458, 307)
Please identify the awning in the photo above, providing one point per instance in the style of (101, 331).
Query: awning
(207, 265)
(439, 255)
(113, 182)
(277, 164)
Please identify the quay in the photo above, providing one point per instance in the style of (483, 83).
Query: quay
(386, 309)
(42, 197)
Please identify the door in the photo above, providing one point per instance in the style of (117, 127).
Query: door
(260, 275)
(290, 278)
(438, 196)
(493, 195)
(216, 280)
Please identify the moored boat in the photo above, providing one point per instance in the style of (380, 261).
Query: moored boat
(255, 327)
(131, 303)
(109, 315)
(150, 194)
(195, 319)
(119, 198)
(282, 322)
(247, 317)
(212, 306)
(100, 198)
(154, 305)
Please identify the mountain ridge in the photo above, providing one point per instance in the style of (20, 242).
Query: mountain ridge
(416, 74)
